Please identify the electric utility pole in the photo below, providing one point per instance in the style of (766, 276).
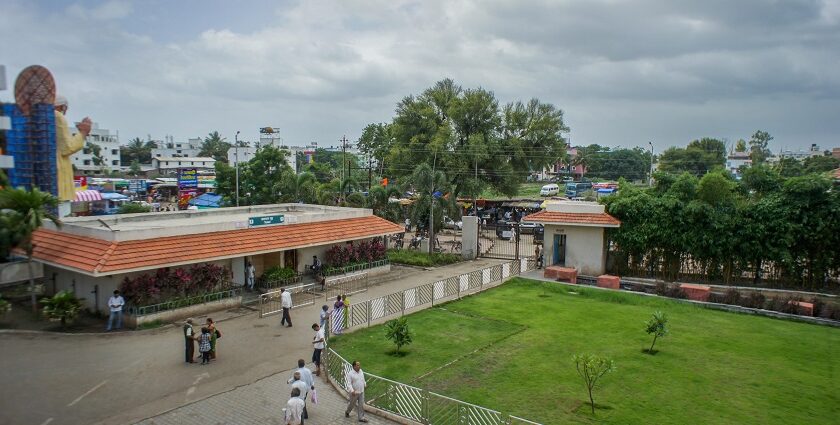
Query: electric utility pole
(343, 141)
(236, 149)
(432, 209)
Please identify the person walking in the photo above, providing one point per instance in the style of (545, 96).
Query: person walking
(305, 375)
(325, 313)
(298, 384)
(250, 275)
(189, 339)
(115, 303)
(286, 303)
(204, 345)
(318, 344)
(338, 316)
(294, 409)
(214, 336)
(538, 256)
(356, 387)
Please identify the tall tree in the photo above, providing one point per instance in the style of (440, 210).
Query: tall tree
(137, 150)
(262, 180)
(741, 145)
(215, 146)
(477, 143)
(820, 164)
(698, 158)
(759, 152)
(29, 210)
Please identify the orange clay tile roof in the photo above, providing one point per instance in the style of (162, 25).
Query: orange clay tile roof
(101, 257)
(591, 219)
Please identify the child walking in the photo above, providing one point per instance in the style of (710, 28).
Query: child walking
(204, 345)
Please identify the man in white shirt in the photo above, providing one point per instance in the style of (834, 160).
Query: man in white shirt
(286, 303)
(356, 387)
(250, 276)
(298, 384)
(116, 304)
(318, 343)
(294, 409)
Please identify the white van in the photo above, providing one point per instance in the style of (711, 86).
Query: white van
(550, 190)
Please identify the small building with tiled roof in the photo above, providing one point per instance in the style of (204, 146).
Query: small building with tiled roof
(92, 255)
(575, 235)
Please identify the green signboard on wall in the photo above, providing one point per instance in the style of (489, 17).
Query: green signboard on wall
(265, 220)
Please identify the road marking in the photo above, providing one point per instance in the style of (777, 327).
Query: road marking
(47, 421)
(87, 393)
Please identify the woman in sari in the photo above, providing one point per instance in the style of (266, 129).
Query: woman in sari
(211, 325)
(346, 303)
(338, 316)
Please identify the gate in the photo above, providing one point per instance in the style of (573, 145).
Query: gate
(509, 240)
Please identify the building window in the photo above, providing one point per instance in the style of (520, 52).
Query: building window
(86, 151)
(115, 162)
(178, 151)
(87, 162)
(179, 162)
(158, 155)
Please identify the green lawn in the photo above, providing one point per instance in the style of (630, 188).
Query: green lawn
(526, 190)
(714, 367)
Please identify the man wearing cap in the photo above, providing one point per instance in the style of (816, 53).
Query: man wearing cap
(189, 339)
(66, 144)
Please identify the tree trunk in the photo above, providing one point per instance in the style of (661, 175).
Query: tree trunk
(591, 401)
(650, 350)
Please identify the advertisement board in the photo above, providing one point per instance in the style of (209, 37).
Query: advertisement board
(187, 178)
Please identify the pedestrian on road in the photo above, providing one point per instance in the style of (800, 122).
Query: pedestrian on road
(189, 339)
(286, 303)
(305, 375)
(346, 302)
(356, 387)
(318, 343)
(538, 256)
(214, 336)
(407, 225)
(294, 409)
(298, 384)
(204, 345)
(338, 316)
(325, 313)
(251, 275)
(116, 304)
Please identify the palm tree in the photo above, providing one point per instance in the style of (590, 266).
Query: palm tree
(215, 146)
(379, 201)
(34, 208)
(299, 188)
(583, 157)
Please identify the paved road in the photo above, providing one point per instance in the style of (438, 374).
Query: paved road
(127, 377)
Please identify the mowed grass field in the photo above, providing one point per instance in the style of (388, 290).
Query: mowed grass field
(512, 349)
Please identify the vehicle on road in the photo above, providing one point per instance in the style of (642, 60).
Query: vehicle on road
(529, 228)
(449, 223)
(550, 190)
(576, 190)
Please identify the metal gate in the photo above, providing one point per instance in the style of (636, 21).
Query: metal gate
(509, 240)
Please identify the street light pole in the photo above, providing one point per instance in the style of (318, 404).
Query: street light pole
(650, 178)
(236, 154)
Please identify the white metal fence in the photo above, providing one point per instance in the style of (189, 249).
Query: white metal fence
(302, 295)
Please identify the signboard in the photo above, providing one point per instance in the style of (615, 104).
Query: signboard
(187, 178)
(266, 220)
(207, 182)
(80, 182)
(137, 185)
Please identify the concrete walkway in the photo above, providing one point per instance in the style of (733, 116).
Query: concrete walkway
(133, 376)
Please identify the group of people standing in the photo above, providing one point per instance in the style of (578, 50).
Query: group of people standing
(207, 341)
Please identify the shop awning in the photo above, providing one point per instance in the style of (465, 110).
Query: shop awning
(113, 196)
(88, 195)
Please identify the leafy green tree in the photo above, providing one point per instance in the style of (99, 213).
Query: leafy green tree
(759, 151)
(790, 167)
(814, 213)
(397, 331)
(63, 306)
(266, 179)
(631, 164)
(657, 326)
(215, 146)
(591, 369)
(716, 189)
(760, 180)
(741, 145)
(465, 132)
(379, 201)
(820, 164)
(375, 142)
(33, 208)
(298, 188)
(698, 158)
(134, 168)
(137, 150)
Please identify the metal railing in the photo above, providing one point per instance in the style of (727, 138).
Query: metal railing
(365, 312)
(348, 284)
(355, 267)
(302, 295)
(183, 302)
(415, 403)
(267, 284)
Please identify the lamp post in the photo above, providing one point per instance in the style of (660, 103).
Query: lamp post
(650, 178)
(236, 158)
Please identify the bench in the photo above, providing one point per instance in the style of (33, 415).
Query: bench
(696, 292)
(806, 309)
(561, 273)
(609, 281)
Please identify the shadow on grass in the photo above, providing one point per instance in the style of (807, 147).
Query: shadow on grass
(585, 408)
(646, 351)
(395, 353)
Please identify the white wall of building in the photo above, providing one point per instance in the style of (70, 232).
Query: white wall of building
(585, 248)
(190, 148)
(110, 152)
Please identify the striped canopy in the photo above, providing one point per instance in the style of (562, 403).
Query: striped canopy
(88, 195)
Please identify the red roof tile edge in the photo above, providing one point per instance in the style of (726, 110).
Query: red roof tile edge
(596, 219)
(98, 252)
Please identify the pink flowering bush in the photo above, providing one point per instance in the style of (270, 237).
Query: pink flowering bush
(167, 284)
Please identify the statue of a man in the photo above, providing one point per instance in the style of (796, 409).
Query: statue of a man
(66, 144)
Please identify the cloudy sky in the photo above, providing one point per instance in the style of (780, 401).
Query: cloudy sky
(624, 72)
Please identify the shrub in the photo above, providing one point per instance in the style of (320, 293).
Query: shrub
(754, 300)
(132, 208)
(732, 297)
(63, 306)
(397, 331)
(657, 326)
(592, 368)
(167, 284)
(5, 306)
(278, 273)
(674, 291)
(661, 289)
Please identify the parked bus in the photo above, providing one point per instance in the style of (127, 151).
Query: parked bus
(575, 190)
